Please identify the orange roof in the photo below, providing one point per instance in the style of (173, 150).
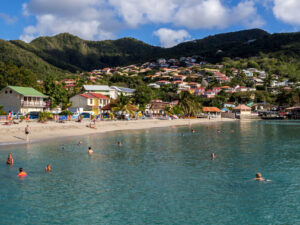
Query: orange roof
(211, 109)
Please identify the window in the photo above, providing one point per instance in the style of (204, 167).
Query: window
(91, 101)
(25, 98)
(10, 91)
(5, 92)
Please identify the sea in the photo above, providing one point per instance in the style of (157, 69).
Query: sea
(158, 176)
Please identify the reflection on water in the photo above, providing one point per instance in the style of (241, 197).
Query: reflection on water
(158, 177)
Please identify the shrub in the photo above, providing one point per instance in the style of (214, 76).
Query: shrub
(66, 113)
(45, 116)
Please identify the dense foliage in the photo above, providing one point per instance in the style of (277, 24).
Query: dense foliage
(64, 52)
(11, 74)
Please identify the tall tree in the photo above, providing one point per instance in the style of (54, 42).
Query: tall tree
(57, 94)
(189, 104)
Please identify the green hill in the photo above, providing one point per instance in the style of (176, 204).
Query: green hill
(10, 52)
(67, 53)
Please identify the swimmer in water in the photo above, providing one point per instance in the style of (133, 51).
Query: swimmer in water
(119, 143)
(212, 156)
(22, 173)
(79, 143)
(48, 168)
(258, 177)
(193, 131)
(90, 150)
(182, 134)
(10, 159)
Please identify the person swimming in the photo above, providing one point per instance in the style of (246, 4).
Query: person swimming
(119, 143)
(182, 134)
(48, 168)
(90, 150)
(79, 143)
(193, 131)
(212, 156)
(22, 173)
(10, 159)
(258, 177)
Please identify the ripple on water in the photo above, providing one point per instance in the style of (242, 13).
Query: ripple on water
(158, 177)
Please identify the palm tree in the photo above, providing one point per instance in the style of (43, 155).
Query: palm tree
(124, 105)
(189, 104)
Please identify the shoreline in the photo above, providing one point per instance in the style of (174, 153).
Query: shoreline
(14, 134)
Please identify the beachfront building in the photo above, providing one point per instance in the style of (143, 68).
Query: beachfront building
(111, 92)
(22, 99)
(294, 112)
(89, 101)
(212, 112)
(242, 110)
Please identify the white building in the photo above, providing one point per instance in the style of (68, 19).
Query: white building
(111, 92)
(22, 99)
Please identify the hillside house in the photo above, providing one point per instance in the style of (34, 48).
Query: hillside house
(199, 91)
(179, 78)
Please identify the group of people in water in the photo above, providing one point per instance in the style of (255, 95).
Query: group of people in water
(22, 173)
(258, 176)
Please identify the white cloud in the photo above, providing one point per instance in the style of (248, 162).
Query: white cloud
(136, 12)
(246, 13)
(102, 19)
(7, 19)
(89, 19)
(287, 11)
(169, 38)
(202, 14)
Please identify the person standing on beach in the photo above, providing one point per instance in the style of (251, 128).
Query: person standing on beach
(10, 159)
(27, 131)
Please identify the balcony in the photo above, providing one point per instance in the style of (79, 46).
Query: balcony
(33, 104)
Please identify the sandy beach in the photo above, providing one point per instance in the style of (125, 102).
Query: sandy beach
(14, 134)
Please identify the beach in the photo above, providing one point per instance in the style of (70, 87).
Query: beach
(15, 134)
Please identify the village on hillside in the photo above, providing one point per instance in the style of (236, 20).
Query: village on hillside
(218, 90)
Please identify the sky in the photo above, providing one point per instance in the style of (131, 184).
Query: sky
(157, 22)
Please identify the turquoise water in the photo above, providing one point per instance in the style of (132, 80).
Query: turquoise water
(158, 177)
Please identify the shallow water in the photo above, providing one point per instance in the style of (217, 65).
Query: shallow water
(158, 177)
